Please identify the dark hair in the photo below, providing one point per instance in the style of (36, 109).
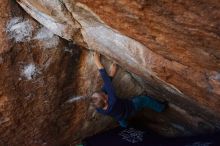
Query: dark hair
(98, 101)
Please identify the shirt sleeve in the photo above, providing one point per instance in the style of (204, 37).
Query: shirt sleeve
(107, 87)
(103, 88)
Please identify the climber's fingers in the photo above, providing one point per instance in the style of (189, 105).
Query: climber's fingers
(96, 54)
(113, 65)
(113, 69)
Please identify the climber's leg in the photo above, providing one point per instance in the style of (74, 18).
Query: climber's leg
(146, 101)
(123, 123)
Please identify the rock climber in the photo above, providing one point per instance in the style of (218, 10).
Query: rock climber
(106, 101)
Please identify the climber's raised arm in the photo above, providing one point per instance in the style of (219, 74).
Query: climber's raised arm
(113, 69)
(97, 59)
(107, 103)
(107, 80)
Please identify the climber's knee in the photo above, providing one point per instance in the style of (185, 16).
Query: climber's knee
(137, 102)
(123, 123)
(148, 102)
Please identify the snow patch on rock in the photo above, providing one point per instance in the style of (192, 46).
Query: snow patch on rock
(44, 34)
(75, 98)
(51, 43)
(30, 71)
(47, 38)
(216, 76)
(46, 20)
(19, 29)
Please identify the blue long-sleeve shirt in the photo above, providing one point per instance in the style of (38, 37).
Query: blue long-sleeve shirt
(118, 108)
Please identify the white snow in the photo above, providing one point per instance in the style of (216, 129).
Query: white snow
(44, 34)
(47, 38)
(29, 71)
(216, 76)
(75, 98)
(51, 43)
(48, 21)
(19, 29)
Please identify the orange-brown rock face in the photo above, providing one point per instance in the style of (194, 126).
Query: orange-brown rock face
(45, 83)
(167, 49)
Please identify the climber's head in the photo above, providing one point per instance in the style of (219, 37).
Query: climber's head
(99, 99)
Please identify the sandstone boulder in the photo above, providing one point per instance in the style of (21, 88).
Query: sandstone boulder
(166, 49)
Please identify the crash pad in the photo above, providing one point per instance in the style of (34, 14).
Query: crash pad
(139, 137)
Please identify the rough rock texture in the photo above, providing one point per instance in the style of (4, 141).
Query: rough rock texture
(45, 83)
(167, 49)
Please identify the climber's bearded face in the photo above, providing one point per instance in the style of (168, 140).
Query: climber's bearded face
(99, 99)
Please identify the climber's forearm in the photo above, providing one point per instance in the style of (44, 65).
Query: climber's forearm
(97, 60)
(113, 70)
(99, 65)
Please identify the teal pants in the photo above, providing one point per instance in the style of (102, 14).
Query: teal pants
(141, 102)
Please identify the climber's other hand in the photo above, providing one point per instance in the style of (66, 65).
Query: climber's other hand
(97, 60)
(113, 69)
